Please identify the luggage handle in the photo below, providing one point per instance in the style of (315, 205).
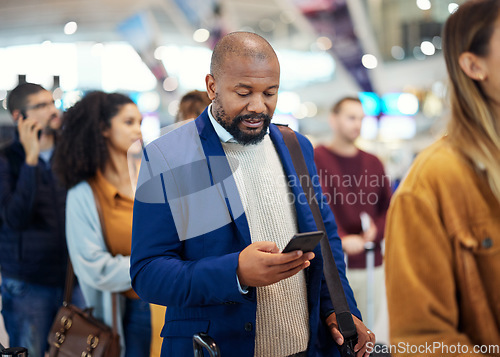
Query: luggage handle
(13, 351)
(202, 340)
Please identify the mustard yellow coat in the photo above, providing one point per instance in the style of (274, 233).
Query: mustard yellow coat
(443, 259)
(157, 320)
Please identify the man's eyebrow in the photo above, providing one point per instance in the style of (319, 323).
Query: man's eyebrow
(242, 85)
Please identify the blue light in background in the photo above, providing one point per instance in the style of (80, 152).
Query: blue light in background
(390, 104)
(397, 104)
(371, 103)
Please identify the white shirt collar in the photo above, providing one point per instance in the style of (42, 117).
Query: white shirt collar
(223, 134)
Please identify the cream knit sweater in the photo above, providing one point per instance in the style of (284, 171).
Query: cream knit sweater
(282, 326)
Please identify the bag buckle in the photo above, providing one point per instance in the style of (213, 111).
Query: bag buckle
(66, 322)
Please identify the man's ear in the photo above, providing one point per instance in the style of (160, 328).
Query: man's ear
(473, 66)
(16, 115)
(211, 86)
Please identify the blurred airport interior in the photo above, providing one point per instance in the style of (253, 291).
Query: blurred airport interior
(386, 51)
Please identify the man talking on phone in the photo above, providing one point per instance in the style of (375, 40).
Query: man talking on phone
(33, 254)
(216, 202)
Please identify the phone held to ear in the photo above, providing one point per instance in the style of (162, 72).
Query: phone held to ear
(305, 242)
(24, 116)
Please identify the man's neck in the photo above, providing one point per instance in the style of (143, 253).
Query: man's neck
(343, 147)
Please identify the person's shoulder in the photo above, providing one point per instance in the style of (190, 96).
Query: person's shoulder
(304, 141)
(80, 200)
(174, 134)
(440, 157)
(371, 160)
(320, 150)
(368, 156)
(11, 147)
(80, 190)
(439, 165)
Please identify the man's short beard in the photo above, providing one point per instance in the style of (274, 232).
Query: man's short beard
(241, 136)
(48, 130)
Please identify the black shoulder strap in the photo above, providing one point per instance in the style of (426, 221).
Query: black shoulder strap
(339, 301)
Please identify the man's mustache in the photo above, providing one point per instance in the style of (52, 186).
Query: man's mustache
(264, 117)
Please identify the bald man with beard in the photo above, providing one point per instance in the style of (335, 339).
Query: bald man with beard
(216, 204)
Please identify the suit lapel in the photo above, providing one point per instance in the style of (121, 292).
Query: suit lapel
(220, 173)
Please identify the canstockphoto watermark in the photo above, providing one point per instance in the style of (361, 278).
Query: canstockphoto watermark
(433, 348)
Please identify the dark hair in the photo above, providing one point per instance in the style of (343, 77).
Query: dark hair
(336, 107)
(18, 97)
(81, 150)
(192, 104)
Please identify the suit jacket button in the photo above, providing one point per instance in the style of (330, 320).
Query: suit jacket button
(248, 327)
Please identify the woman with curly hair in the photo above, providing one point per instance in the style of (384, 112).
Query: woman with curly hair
(443, 228)
(92, 160)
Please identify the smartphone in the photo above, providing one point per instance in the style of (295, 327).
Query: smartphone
(24, 116)
(305, 242)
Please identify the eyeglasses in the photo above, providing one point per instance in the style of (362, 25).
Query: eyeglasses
(39, 106)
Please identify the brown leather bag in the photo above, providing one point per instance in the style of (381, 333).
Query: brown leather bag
(76, 333)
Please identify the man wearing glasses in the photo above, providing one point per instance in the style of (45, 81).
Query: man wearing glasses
(33, 253)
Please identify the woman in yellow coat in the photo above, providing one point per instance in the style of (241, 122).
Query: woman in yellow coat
(443, 228)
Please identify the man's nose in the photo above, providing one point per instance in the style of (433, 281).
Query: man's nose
(53, 108)
(257, 104)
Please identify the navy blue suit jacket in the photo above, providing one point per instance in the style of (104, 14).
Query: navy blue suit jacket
(193, 273)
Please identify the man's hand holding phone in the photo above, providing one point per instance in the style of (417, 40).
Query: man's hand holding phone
(29, 130)
(262, 264)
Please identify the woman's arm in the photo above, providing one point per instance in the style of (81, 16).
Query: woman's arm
(92, 262)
